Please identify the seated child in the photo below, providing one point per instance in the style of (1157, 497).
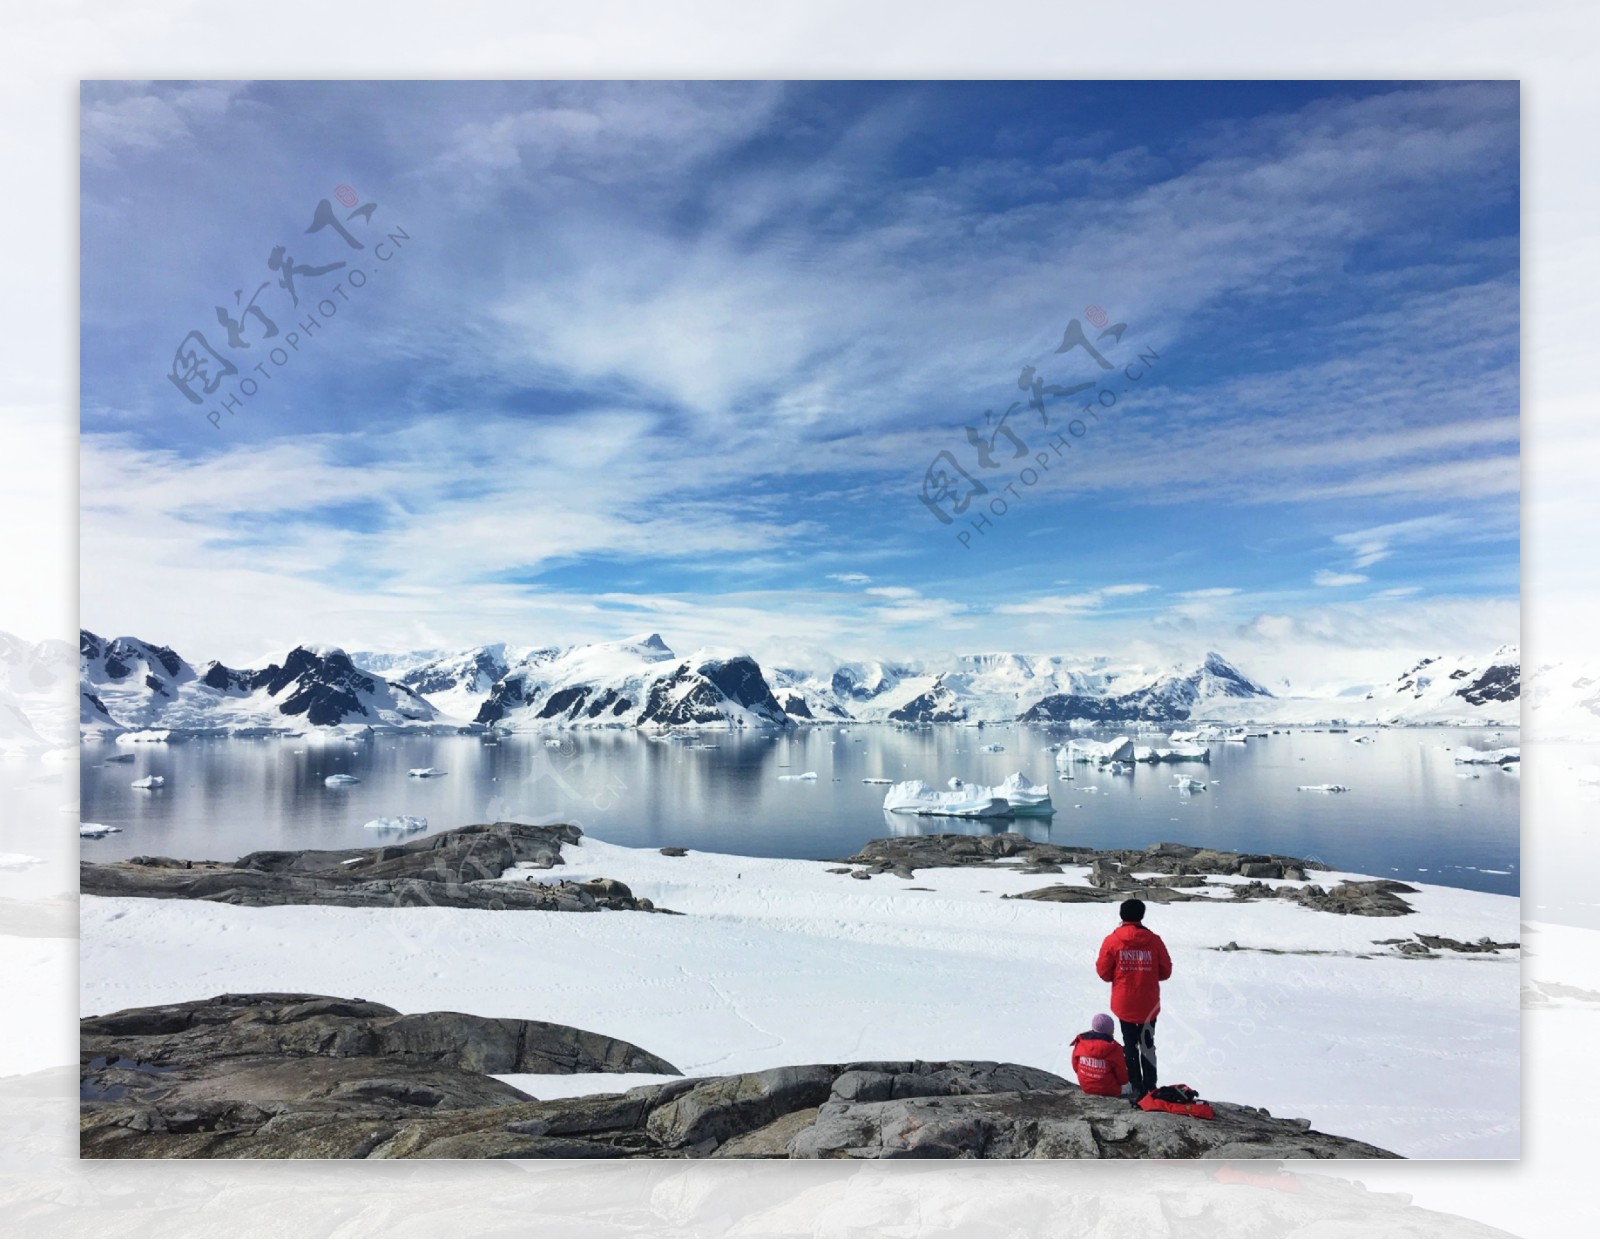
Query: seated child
(1098, 1060)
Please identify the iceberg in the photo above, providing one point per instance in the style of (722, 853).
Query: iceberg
(1489, 757)
(399, 822)
(150, 781)
(1099, 752)
(915, 797)
(424, 772)
(1175, 753)
(151, 736)
(1015, 796)
(340, 781)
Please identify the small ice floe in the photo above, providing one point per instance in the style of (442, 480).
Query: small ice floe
(877, 779)
(809, 775)
(424, 772)
(398, 823)
(1361, 740)
(96, 830)
(991, 749)
(1190, 785)
(1120, 768)
(150, 781)
(552, 743)
(119, 757)
(341, 781)
(1468, 775)
(1488, 757)
(1322, 788)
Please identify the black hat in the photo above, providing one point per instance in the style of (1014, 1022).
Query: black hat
(1132, 910)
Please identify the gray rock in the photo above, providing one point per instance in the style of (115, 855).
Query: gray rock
(447, 870)
(297, 1076)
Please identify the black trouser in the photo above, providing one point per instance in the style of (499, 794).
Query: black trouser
(1139, 1049)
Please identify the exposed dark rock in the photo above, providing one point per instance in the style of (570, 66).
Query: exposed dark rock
(1163, 873)
(674, 852)
(447, 870)
(333, 1098)
(1484, 945)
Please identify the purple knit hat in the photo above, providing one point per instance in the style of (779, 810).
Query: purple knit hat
(1102, 1025)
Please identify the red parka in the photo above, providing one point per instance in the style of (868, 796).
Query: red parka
(1135, 961)
(1100, 1064)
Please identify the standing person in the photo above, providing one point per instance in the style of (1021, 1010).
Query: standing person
(1135, 961)
(1101, 1066)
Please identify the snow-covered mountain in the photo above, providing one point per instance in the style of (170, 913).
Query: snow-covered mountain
(35, 694)
(640, 682)
(1463, 689)
(1174, 695)
(130, 684)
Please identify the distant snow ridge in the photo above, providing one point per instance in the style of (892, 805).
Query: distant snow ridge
(128, 684)
(1458, 689)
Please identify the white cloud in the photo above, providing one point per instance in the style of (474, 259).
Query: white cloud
(850, 579)
(1326, 577)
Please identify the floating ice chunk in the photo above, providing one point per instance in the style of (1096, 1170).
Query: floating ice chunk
(877, 779)
(424, 772)
(1120, 768)
(1015, 796)
(150, 781)
(1362, 740)
(1099, 752)
(1322, 788)
(96, 830)
(991, 749)
(1488, 757)
(1175, 753)
(1190, 785)
(399, 822)
(341, 781)
(808, 775)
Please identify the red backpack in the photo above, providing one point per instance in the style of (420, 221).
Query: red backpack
(1179, 1099)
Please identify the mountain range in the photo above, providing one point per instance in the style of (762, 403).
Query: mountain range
(128, 684)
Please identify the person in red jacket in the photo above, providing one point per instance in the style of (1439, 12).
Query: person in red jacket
(1135, 961)
(1099, 1062)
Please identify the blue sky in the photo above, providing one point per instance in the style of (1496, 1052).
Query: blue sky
(678, 356)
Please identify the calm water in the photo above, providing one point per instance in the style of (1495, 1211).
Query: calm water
(1408, 814)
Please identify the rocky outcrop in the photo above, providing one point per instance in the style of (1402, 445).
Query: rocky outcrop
(295, 1076)
(447, 870)
(1160, 874)
(166, 1081)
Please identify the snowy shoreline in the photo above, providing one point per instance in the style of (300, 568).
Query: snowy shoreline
(781, 962)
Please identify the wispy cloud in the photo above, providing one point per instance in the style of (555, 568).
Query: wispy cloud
(1326, 577)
